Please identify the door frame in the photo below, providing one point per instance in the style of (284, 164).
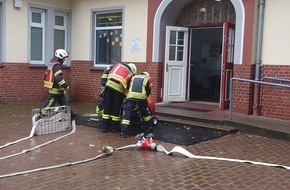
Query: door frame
(227, 63)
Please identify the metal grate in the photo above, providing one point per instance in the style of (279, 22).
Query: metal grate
(51, 120)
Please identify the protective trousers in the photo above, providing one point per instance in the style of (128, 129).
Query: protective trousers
(112, 109)
(52, 99)
(129, 106)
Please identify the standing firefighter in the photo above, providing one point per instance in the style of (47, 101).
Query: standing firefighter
(118, 79)
(140, 88)
(55, 82)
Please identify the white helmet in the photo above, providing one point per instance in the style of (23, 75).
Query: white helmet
(61, 53)
(146, 73)
(133, 68)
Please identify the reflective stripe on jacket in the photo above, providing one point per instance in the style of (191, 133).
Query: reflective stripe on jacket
(54, 80)
(49, 76)
(139, 87)
(116, 86)
(120, 73)
(105, 74)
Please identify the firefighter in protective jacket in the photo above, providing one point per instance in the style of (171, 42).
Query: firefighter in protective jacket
(55, 82)
(116, 80)
(139, 90)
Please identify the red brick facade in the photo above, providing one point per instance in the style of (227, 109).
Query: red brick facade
(243, 91)
(273, 101)
(20, 82)
(86, 84)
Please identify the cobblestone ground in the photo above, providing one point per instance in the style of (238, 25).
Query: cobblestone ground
(131, 168)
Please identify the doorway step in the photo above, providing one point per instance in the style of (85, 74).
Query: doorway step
(209, 115)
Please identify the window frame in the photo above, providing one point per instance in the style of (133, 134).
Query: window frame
(95, 29)
(64, 28)
(37, 25)
(48, 34)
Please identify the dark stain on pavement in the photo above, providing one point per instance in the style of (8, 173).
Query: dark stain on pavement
(171, 132)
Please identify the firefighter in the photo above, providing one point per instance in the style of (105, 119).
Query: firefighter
(55, 82)
(116, 80)
(101, 98)
(139, 90)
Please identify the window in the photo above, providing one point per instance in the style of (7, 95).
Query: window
(60, 31)
(108, 37)
(37, 24)
(49, 30)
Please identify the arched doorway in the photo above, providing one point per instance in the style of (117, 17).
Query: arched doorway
(205, 21)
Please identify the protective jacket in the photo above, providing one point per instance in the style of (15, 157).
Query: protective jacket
(119, 77)
(105, 74)
(53, 79)
(140, 87)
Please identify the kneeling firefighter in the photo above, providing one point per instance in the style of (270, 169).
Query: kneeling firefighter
(139, 90)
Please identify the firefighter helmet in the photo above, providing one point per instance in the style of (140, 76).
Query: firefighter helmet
(61, 53)
(146, 73)
(133, 68)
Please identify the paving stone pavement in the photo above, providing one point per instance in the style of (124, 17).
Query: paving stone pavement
(131, 168)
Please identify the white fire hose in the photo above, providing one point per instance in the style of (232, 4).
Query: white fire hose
(180, 150)
(41, 145)
(19, 140)
(144, 143)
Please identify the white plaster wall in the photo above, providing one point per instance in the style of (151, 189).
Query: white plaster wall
(134, 26)
(276, 37)
(17, 27)
(16, 33)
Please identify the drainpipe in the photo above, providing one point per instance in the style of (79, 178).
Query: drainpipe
(258, 56)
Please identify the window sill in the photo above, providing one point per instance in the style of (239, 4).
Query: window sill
(37, 66)
(98, 68)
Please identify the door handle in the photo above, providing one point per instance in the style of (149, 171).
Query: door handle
(166, 67)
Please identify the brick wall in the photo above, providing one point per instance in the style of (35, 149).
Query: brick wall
(155, 70)
(243, 91)
(275, 101)
(86, 84)
(19, 82)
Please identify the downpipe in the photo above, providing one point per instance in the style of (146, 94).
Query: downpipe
(256, 106)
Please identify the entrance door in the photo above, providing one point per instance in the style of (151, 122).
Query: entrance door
(227, 63)
(175, 67)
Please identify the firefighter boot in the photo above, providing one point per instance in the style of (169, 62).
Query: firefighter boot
(104, 125)
(149, 127)
(124, 129)
(115, 125)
